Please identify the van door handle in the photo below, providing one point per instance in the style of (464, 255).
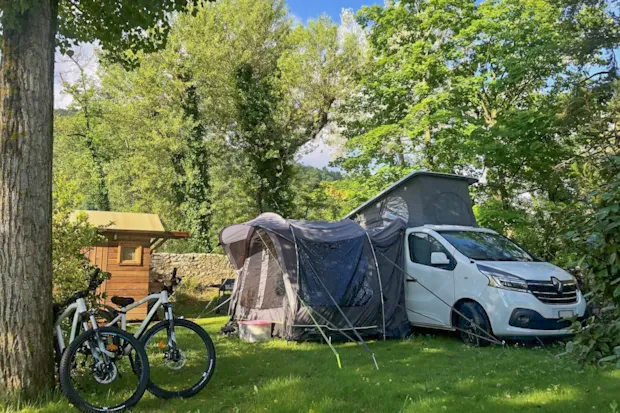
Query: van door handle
(412, 280)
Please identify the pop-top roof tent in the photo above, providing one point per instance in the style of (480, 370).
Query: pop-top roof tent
(305, 276)
(420, 198)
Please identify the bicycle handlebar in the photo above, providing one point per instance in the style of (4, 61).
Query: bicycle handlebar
(174, 281)
(93, 284)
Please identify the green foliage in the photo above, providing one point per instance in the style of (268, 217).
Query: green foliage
(268, 87)
(596, 342)
(70, 240)
(465, 88)
(597, 233)
(120, 27)
(315, 197)
(267, 153)
(604, 257)
(81, 146)
(192, 188)
(205, 131)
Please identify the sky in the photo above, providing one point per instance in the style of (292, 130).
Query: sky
(316, 154)
(307, 9)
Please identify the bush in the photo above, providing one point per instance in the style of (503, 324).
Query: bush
(597, 340)
(70, 240)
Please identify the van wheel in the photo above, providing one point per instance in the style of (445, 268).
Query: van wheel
(470, 330)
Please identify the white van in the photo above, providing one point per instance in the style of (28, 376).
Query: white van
(463, 270)
(490, 280)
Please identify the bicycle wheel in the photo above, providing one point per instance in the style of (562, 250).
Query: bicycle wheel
(110, 381)
(181, 370)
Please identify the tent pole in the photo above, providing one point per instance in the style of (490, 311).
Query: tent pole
(380, 284)
(329, 342)
(319, 314)
(302, 301)
(340, 310)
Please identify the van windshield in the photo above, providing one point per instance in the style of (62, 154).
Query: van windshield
(485, 246)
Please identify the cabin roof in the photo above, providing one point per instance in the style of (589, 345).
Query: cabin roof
(139, 223)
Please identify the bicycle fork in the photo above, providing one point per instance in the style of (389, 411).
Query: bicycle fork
(97, 347)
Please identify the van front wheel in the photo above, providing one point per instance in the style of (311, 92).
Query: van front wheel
(473, 325)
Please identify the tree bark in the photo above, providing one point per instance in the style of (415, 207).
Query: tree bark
(26, 122)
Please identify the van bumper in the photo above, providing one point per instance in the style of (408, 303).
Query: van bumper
(518, 314)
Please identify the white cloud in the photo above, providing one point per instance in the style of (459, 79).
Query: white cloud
(67, 70)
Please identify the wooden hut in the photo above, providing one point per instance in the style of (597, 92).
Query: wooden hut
(130, 239)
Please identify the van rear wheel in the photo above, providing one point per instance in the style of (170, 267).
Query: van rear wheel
(474, 329)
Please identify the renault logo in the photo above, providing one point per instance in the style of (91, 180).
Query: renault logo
(558, 285)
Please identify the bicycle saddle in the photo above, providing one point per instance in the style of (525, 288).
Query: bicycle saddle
(122, 301)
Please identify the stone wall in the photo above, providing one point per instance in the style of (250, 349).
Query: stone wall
(203, 269)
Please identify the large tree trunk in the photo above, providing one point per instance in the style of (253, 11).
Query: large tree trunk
(26, 110)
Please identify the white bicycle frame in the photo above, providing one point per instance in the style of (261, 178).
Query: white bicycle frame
(161, 300)
(78, 309)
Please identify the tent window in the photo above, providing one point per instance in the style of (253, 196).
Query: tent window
(273, 293)
(249, 295)
(420, 248)
(264, 282)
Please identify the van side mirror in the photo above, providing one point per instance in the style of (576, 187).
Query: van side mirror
(439, 258)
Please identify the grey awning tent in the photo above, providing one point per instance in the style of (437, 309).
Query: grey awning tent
(420, 198)
(298, 274)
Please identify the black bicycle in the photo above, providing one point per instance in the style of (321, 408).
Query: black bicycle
(103, 369)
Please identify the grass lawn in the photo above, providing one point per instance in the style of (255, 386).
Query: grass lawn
(421, 374)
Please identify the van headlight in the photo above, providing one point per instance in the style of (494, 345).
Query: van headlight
(501, 279)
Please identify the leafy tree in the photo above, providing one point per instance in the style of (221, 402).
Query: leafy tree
(495, 90)
(193, 188)
(80, 146)
(205, 131)
(315, 197)
(458, 87)
(267, 88)
(30, 30)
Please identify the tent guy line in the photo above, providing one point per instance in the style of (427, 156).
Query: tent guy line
(316, 276)
(492, 339)
(310, 311)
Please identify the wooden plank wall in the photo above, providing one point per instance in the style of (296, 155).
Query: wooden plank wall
(126, 280)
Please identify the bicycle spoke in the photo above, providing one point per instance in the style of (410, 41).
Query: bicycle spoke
(179, 367)
(107, 381)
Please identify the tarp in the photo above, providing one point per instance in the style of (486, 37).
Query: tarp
(294, 273)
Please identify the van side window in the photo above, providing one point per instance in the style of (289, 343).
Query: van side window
(422, 245)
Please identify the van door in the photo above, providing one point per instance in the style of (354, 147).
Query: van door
(423, 308)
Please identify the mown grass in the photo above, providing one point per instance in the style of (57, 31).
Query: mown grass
(421, 374)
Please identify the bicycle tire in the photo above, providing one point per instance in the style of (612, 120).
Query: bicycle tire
(210, 362)
(66, 365)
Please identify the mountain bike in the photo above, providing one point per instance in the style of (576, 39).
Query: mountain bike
(103, 369)
(181, 353)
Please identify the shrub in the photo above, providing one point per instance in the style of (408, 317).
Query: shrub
(597, 340)
(70, 239)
